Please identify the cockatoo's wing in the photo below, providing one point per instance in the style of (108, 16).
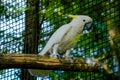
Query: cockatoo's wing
(67, 36)
(57, 36)
(55, 39)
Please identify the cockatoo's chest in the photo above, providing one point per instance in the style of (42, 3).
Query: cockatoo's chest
(69, 40)
(71, 35)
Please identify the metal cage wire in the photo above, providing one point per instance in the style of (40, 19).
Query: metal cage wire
(19, 18)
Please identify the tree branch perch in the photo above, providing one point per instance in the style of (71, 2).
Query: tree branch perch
(33, 61)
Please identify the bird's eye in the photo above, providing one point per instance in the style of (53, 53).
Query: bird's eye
(83, 20)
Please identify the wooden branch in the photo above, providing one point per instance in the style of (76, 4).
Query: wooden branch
(32, 61)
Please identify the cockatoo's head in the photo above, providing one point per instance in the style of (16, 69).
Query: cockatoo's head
(83, 20)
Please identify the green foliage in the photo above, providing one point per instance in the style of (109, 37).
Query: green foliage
(2, 10)
(54, 14)
(10, 10)
(1, 71)
(92, 44)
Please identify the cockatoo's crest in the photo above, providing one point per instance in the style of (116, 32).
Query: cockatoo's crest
(64, 38)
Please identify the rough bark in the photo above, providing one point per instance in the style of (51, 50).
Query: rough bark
(33, 61)
(31, 36)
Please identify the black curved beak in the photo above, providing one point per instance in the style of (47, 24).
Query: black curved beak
(87, 26)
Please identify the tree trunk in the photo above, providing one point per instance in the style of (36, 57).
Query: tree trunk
(31, 35)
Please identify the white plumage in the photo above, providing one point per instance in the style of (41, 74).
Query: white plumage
(63, 39)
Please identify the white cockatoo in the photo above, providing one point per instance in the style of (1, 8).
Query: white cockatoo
(63, 39)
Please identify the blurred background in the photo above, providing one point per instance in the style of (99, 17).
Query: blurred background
(26, 26)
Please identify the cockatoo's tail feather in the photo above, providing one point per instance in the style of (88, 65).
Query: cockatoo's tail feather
(65, 38)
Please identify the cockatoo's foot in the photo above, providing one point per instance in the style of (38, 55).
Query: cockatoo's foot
(59, 57)
(54, 55)
(69, 58)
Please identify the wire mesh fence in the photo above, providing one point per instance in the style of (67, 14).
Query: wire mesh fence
(26, 26)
